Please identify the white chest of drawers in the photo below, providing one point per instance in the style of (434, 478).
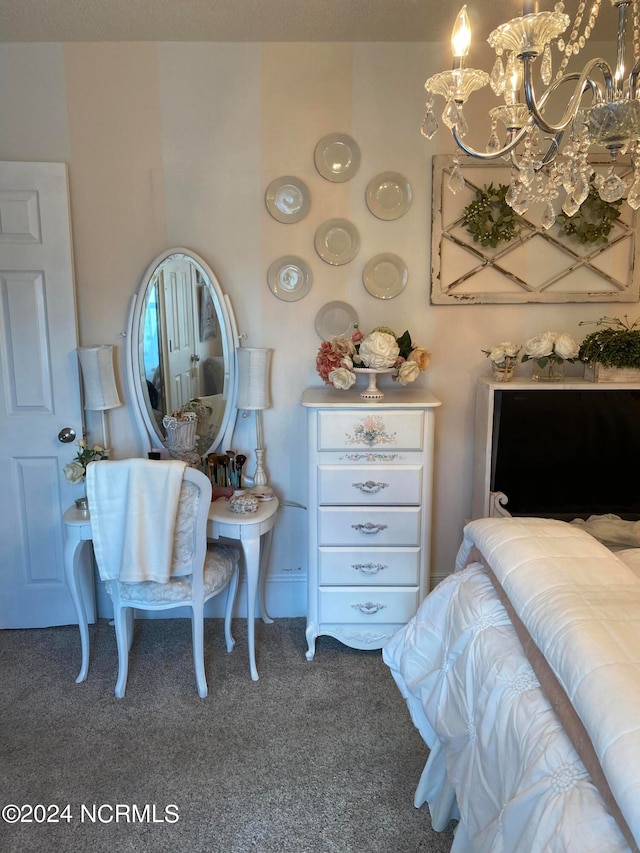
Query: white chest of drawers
(370, 473)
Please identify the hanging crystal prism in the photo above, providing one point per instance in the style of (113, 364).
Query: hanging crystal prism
(527, 171)
(570, 206)
(633, 199)
(494, 144)
(581, 188)
(429, 126)
(610, 188)
(548, 217)
(451, 115)
(455, 182)
(546, 68)
(497, 77)
(461, 125)
(521, 203)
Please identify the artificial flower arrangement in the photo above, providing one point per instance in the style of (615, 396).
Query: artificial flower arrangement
(503, 355)
(504, 360)
(551, 347)
(76, 470)
(381, 349)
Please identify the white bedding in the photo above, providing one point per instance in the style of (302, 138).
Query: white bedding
(497, 747)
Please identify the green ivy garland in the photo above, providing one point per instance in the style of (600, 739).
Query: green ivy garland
(489, 219)
(593, 220)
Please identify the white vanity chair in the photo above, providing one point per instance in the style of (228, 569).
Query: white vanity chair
(180, 320)
(173, 567)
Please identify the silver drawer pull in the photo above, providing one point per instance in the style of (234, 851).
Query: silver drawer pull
(369, 528)
(370, 487)
(369, 608)
(368, 568)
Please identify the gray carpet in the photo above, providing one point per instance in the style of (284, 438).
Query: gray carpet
(316, 756)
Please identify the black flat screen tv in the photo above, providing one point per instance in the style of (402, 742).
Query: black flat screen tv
(567, 453)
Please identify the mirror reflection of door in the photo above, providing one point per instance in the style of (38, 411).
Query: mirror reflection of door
(179, 292)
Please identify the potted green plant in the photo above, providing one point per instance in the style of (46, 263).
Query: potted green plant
(612, 352)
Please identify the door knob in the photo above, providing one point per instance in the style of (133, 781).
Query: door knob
(67, 435)
(195, 358)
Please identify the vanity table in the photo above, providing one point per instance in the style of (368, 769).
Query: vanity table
(252, 531)
(181, 349)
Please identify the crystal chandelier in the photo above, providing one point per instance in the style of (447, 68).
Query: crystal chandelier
(603, 109)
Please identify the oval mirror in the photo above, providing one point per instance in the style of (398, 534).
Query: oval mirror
(181, 354)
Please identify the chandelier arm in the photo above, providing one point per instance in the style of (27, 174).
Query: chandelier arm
(486, 155)
(584, 83)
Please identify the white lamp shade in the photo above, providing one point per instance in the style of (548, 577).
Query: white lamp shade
(254, 365)
(98, 379)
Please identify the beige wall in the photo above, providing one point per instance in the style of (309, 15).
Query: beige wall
(174, 145)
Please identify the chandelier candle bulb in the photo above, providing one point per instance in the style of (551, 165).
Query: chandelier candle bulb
(461, 36)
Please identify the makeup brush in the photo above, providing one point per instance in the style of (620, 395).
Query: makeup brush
(240, 460)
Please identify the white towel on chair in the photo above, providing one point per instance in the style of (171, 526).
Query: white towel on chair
(132, 530)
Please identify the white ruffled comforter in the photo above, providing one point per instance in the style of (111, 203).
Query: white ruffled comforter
(496, 745)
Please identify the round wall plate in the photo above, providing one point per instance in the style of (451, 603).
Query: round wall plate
(389, 195)
(289, 278)
(336, 320)
(337, 241)
(287, 199)
(385, 275)
(337, 157)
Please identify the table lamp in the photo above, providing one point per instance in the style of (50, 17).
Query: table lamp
(253, 395)
(99, 383)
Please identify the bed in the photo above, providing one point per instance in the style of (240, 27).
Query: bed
(521, 670)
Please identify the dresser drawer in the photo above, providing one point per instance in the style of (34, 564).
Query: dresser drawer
(370, 527)
(369, 566)
(343, 430)
(369, 606)
(369, 485)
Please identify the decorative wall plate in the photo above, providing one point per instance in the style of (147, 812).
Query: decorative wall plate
(389, 195)
(337, 157)
(336, 320)
(287, 199)
(289, 278)
(337, 241)
(385, 275)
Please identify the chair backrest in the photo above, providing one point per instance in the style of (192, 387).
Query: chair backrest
(137, 533)
(190, 536)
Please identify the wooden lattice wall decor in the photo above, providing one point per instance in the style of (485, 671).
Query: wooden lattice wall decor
(538, 265)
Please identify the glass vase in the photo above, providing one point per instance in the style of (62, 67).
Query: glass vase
(552, 371)
(503, 371)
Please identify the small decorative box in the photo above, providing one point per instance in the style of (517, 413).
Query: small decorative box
(243, 504)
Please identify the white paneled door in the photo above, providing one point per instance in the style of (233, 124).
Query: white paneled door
(39, 392)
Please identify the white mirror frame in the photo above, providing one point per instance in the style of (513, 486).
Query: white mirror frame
(148, 430)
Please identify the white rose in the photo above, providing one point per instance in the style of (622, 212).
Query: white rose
(510, 350)
(74, 472)
(408, 372)
(379, 350)
(540, 346)
(341, 378)
(497, 354)
(566, 346)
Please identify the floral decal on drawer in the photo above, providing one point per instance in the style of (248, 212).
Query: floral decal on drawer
(371, 457)
(370, 431)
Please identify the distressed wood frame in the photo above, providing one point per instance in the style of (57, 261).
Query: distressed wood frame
(538, 266)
